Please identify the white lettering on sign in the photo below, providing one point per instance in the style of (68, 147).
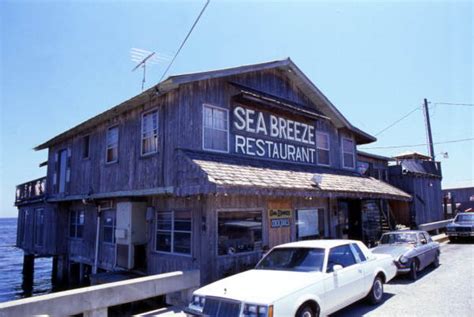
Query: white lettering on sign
(269, 125)
(280, 223)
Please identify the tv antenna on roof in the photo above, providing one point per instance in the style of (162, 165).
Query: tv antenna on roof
(142, 57)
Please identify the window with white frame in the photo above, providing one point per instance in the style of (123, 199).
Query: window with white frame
(173, 232)
(215, 129)
(149, 139)
(310, 224)
(348, 157)
(322, 145)
(76, 223)
(112, 141)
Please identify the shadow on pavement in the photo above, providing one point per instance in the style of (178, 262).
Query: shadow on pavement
(404, 279)
(361, 307)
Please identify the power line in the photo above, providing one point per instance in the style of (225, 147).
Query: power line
(397, 121)
(185, 39)
(415, 145)
(454, 104)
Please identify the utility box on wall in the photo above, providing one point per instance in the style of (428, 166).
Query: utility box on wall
(130, 231)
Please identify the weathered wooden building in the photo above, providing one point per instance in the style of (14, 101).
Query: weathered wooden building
(421, 177)
(460, 199)
(203, 171)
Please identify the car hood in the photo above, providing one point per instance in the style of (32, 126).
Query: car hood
(260, 286)
(395, 250)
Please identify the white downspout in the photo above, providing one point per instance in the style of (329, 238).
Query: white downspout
(96, 259)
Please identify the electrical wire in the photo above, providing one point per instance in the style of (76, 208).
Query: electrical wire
(454, 104)
(397, 121)
(415, 145)
(184, 41)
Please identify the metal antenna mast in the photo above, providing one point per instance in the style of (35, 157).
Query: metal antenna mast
(142, 57)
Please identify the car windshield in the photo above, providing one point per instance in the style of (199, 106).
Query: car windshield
(464, 218)
(293, 259)
(391, 238)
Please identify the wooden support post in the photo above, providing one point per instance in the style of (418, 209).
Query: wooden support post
(28, 274)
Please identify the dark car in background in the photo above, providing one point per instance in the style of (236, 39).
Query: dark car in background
(461, 227)
(411, 250)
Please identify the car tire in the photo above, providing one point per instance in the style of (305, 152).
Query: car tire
(414, 270)
(436, 261)
(307, 311)
(376, 292)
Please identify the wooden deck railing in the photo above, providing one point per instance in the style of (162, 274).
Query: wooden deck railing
(31, 190)
(93, 301)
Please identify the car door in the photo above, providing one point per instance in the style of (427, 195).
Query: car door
(367, 269)
(423, 250)
(345, 285)
(432, 247)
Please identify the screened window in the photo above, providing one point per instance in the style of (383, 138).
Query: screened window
(173, 232)
(348, 153)
(322, 145)
(76, 223)
(112, 145)
(39, 226)
(86, 147)
(239, 232)
(150, 132)
(215, 129)
(108, 230)
(310, 223)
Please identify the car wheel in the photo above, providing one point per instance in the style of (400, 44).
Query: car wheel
(436, 261)
(306, 311)
(376, 292)
(414, 270)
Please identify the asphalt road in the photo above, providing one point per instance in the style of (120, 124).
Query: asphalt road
(445, 291)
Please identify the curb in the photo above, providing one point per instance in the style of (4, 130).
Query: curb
(441, 238)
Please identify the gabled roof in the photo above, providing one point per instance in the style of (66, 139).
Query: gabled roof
(173, 82)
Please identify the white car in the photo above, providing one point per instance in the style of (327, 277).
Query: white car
(302, 279)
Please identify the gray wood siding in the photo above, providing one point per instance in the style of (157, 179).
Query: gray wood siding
(204, 238)
(180, 127)
(50, 242)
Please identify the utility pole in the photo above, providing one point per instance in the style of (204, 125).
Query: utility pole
(428, 130)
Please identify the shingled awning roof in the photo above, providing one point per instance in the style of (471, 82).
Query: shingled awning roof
(234, 178)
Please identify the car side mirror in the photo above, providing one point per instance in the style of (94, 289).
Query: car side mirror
(336, 267)
(423, 242)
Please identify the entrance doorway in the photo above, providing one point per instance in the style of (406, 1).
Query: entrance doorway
(350, 219)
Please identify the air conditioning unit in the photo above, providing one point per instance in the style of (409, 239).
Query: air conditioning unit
(130, 231)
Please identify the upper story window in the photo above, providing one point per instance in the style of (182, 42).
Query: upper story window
(76, 223)
(86, 144)
(322, 144)
(173, 232)
(348, 157)
(215, 129)
(149, 139)
(112, 140)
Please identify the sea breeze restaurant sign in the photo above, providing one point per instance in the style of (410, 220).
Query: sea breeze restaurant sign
(267, 135)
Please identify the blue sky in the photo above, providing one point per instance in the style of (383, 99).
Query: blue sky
(63, 62)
